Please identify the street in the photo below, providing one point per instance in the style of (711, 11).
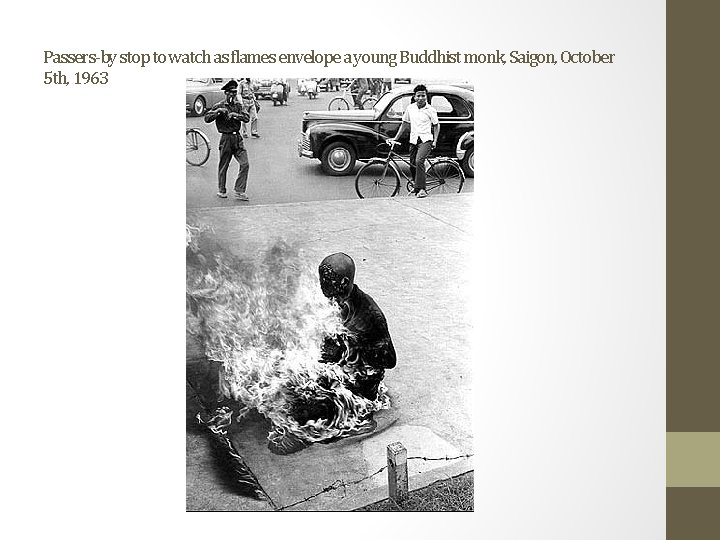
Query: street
(277, 173)
(411, 257)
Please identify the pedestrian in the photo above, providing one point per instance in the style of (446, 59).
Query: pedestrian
(387, 84)
(377, 85)
(252, 106)
(422, 120)
(228, 116)
(311, 87)
(358, 89)
(286, 91)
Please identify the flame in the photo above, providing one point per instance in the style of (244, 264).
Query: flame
(264, 319)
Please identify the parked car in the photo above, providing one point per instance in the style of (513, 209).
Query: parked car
(201, 94)
(465, 152)
(262, 88)
(340, 138)
(402, 81)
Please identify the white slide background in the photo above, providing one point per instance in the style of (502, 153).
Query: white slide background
(570, 264)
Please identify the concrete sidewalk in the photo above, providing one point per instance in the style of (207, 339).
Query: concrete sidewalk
(411, 257)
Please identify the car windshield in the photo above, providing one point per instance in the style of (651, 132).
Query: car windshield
(383, 102)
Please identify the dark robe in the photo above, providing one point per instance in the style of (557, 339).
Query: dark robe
(366, 350)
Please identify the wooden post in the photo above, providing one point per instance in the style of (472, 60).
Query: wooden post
(397, 472)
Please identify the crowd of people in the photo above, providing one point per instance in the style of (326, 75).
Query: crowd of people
(233, 117)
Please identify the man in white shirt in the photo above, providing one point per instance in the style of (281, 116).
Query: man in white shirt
(252, 106)
(422, 121)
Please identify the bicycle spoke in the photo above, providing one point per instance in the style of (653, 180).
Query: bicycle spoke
(445, 176)
(376, 179)
(197, 149)
(192, 141)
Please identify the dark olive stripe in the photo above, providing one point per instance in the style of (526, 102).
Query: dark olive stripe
(693, 216)
(693, 513)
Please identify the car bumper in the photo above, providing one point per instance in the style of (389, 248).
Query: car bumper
(304, 149)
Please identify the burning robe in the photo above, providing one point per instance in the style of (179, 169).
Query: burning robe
(264, 323)
(365, 349)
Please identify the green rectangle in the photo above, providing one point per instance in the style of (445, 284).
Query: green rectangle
(693, 459)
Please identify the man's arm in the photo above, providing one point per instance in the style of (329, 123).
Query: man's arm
(217, 110)
(380, 354)
(435, 128)
(405, 126)
(332, 350)
(243, 116)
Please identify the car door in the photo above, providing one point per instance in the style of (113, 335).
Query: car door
(391, 120)
(455, 117)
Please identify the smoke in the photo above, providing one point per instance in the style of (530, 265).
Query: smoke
(263, 317)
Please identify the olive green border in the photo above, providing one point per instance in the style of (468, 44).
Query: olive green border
(693, 459)
(693, 257)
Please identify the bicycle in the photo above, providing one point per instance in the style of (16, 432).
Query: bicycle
(197, 147)
(380, 177)
(347, 101)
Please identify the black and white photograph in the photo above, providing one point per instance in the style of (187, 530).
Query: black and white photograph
(328, 328)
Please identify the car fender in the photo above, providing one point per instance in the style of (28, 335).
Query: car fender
(361, 138)
(464, 143)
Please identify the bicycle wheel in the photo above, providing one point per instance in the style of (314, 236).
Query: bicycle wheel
(338, 104)
(445, 176)
(377, 178)
(197, 147)
(369, 103)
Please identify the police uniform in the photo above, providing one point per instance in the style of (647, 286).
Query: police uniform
(231, 143)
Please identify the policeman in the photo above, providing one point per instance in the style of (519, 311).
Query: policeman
(228, 116)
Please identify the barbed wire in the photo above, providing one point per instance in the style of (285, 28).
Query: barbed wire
(343, 484)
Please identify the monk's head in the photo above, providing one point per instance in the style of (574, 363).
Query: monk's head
(337, 276)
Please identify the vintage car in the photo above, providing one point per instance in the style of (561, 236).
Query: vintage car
(340, 138)
(201, 94)
(262, 88)
(465, 152)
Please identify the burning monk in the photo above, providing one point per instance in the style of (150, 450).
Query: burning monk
(363, 350)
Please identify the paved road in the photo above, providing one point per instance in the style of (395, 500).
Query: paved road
(411, 257)
(277, 173)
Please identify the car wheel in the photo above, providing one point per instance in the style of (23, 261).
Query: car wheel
(199, 106)
(468, 162)
(338, 159)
